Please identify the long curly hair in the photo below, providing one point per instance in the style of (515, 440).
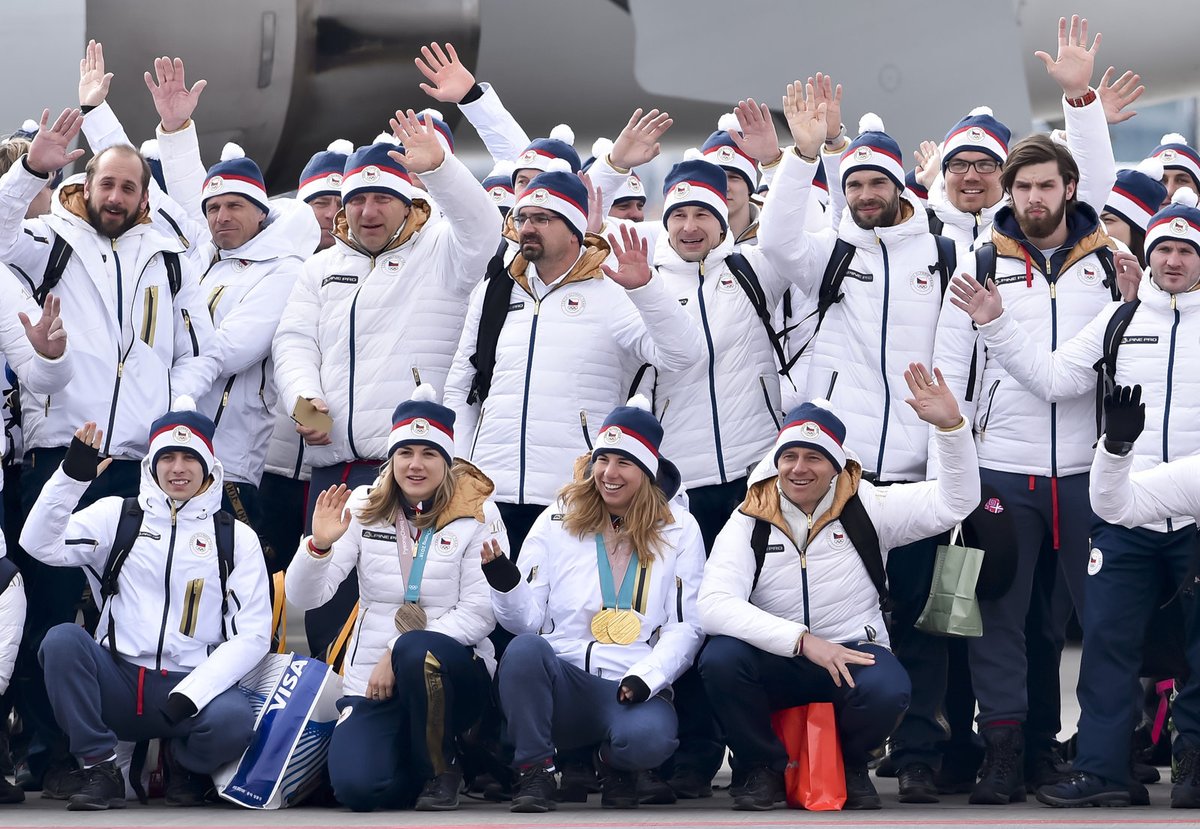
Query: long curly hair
(586, 514)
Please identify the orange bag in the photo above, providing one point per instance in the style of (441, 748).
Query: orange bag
(815, 779)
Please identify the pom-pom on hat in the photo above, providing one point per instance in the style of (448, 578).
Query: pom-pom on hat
(559, 190)
(1138, 193)
(978, 132)
(322, 175)
(541, 151)
(153, 156)
(1175, 154)
(370, 169)
(874, 149)
(183, 429)
(498, 185)
(720, 149)
(236, 175)
(813, 426)
(1177, 222)
(632, 430)
(433, 118)
(421, 420)
(696, 182)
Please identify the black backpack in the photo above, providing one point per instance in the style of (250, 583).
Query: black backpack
(862, 535)
(8, 572)
(60, 255)
(497, 294)
(1106, 366)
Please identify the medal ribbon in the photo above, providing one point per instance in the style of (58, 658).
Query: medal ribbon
(412, 593)
(608, 592)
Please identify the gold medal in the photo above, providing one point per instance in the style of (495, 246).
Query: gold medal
(600, 625)
(624, 627)
(410, 616)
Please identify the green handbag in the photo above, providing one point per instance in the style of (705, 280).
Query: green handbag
(953, 609)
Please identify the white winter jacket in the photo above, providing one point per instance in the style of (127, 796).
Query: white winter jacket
(357, 327)
(817, 583)
(181, 628)
(1149, 497)
(454, 593)
(564, 360)
(12, 626)
(1159, 351)
(135, 346)
(559, 593)
(1016, 430)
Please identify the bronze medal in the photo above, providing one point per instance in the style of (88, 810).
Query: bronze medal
(624, 627)
(600, 625)
(410, 616)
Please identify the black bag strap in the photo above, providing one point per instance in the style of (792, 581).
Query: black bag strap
(174, 271)
(831, 281)
(496, 296)
(758, 543)
(1105, 255)
(866, 542)
(936, 225)
(60, 255)
(947, 261)
(1106, 366)
(742, 270)
(224, 522)
(8, 572)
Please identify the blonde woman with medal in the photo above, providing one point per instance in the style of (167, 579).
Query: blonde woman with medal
(417, 670)
(602, 605)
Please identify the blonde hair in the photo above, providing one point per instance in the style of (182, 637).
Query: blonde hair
(386, 497)
(10, 150)
(586, 514)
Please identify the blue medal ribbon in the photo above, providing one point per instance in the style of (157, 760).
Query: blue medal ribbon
(608, 592)
(413, 593)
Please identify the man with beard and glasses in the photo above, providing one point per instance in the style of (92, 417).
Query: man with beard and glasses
(1033, 454)
(140, 333)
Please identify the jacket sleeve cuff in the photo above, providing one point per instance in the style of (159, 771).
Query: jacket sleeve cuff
(178, 708)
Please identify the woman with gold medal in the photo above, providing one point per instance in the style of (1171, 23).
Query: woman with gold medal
(417, 669)
(602, 605)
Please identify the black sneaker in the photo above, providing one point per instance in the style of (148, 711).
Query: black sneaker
(440, 793)
(652, 790)
(184, 787)
(1001, 779)
(761, 791)
(860, 791)
(916, 783)
(576, 782)
(61, 781)
(1185, 794)
(1082, 788)
(1044, 767)
(689, 785)
(103, 787)
(619, 789)
(535, 789)
(11, 792)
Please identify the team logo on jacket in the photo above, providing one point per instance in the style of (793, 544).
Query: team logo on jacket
(727, 284)
(1095, 562)
(370, 174)
(922, 282)
(975, 134)
(214, 184)
(611, 436)
(201, 544)
(1088, 275)
(392, 265)
(572, 305)
(994, 506)
(863, 153)
(539, 195)
(724, 154)
(240, 265)
(682, 189)
(447, 543)
(1179, 227)
(837, 537)
(182, 434)
(420, 427)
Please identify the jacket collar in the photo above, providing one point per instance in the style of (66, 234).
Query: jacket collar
(913, 223)
(763, 497)
(1085, 235)
(419, 213)
(593, 254)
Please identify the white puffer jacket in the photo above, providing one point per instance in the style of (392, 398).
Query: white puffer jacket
(454, 593)
(563, 362)
(886, 320)
(285, 449)
(12, 626)
(559, 593)
(135, 346)
(1017, 431)
(1144, 498)
(182, 630)
(812, 578)
(357, 327)
(1158, 351)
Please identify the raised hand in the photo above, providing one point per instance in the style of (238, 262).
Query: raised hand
(982, 304)
(835, 658)
(595, 203)
(48, 151)
(1118, 94)
(824, 92)
(490, 551)
(758, 138)
(638, 141)
(82, 461)
(929, 163)
(173, 101)
(806, 118)
(1072, 69)
(1129, 274)
(331, 519)
(1124, 414)
(449, 80)
(633, 260)
(93, 80)
(48, 337)
(422, 151)
(932, 401)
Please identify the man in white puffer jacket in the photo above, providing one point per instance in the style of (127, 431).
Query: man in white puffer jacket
(176, 632)
(787, 630)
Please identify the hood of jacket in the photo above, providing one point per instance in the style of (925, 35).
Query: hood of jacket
(1085, 235)
(665, 256)
(200, 506)
(763, 497)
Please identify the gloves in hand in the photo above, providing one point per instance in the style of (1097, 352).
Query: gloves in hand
(1124, 415)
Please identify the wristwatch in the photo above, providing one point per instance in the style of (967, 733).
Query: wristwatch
(1083, 101)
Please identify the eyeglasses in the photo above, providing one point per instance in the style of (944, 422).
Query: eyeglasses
(983, 166)
(537, 219)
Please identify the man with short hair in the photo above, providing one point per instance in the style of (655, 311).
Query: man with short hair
(1181, 164)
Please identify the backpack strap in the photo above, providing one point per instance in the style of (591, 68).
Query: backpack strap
(1106, 366)
(497, 294)
(60, 255)
(830, 292)
(947, 261)
(128, 527)
(8, 572)
(174, 271)
(758, 543)
(741, 269)
(224, 522)
(175, 227)
(1105, 255)
(936, 225)
(866, 542)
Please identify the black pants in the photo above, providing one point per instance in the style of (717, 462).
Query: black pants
(712, 505)
(281, 502)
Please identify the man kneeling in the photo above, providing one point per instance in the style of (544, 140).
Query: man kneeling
(803, 622)
(187, 614)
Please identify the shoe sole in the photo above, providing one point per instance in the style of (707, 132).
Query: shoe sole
(863, 806)
(92, 806)
(429, 806)
(752, 806)
(997, 800)
(619, 804)
(1117, 799)
(919, 796)
(529, 805)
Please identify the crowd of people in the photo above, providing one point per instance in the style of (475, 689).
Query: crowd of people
(589, 495)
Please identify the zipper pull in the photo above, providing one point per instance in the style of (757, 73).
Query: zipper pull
(1053, 292)
(120, 369)
(1173, 297)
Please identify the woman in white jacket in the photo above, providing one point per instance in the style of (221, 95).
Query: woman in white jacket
(417, 672)
(603, 609)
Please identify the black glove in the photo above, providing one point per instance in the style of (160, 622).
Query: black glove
(635, 691)
(178, 709)
(502, 574)
(81, 460)
(1124, 418)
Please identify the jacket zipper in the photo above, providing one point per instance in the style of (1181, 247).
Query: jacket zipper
(712, 372)
(478, 429)
(804, 572)
(362, 615)
(1170, 381)
(887, 391)
(987, 415)
(224, 401)
(162, 634)
(1053, 347)
(537, 308)
(833, 378)
(350, 346)
(679, 598)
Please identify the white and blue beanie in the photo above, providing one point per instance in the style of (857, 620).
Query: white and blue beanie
(562, 192)
(978, 132)
(631, 186)
(431, 117)
(322, 175)
(498, 185)
(541, 151)
(1177, 222)
(1138, 194)
(370, 169)
(633, 431)
(721, 150)
(696, 182)
(875, 150)
(814, 426)
(1175, 154)
(183, 429)
(423, 421)
(236, 175)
